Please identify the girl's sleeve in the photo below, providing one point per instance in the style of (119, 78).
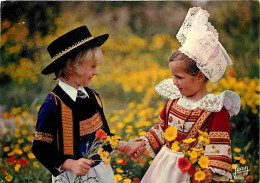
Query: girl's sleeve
(219, 150)
(154, 138)
(45, 146)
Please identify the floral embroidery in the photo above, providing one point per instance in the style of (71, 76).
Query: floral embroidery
(46, 137)
(91, 124)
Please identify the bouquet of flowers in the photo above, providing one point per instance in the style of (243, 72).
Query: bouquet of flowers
(101, 140)
(193, 161)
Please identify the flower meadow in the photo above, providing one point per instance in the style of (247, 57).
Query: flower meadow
(133, 66)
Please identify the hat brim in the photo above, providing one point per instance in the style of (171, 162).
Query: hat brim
(55, 64)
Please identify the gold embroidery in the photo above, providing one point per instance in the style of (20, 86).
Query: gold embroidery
(181, 109)
(219, 135)
(220, 164)
(155, 146)
(44, 137)
(98, 99)
(67, 128)
(161, 122)
(193, 131)
(90, 125)
(198, 124)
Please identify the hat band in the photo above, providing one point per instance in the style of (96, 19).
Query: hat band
(60, 54)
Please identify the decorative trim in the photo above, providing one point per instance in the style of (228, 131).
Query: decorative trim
(98, 100)
(60, 54)
(90, 125)
(161, 122)
(46, 137)
(221, 165)
(67, 128)
(219, 135)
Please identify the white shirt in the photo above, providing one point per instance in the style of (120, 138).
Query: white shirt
(71, 91)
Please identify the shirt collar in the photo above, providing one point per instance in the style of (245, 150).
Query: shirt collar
(71, 91)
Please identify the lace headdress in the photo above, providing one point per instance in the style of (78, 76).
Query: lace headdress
(200, 42)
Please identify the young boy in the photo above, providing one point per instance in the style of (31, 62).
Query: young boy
(72, 112)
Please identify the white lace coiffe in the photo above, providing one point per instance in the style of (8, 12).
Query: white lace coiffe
(199, 40)
(210, 102)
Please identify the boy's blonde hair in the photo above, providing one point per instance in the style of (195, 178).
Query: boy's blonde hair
(91, 54)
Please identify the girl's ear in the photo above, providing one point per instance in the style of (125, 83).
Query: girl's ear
(201, 77)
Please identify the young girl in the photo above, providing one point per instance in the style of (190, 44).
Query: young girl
(72, 112)
(191, 107)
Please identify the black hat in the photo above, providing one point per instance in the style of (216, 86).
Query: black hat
(70, 44)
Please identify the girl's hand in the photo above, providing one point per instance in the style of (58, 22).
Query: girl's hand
(79, 167)
(137, 153)
(134, 147)
(209, 176)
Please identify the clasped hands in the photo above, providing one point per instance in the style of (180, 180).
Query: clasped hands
(134, 148)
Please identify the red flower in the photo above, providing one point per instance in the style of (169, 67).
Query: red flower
(121, 161)
(249, 178)
(100, 134)
(4, 171)
(23, 161)
(12, 160)
(184, 165)
(192, 171)
(136, 180)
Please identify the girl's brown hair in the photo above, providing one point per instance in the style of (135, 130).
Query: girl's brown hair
(191, 67)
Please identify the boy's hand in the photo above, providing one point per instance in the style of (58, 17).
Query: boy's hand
(79, 167)
(134, 149)
(209, 176)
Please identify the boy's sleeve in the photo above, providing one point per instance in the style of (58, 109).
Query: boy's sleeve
(154, 138)
(45, 146)
(219, 150)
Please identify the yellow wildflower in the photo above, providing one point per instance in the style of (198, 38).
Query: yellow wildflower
(199, 176)
(107, 161)
(170, 133)
(20, 141)
(238, 150)
(242, 161)
(18, 151)
(205, 134)
(118, 177)
(6, 149)
(17, 135)
(11, 153)
(193, 160)
(119, 170)
(237, 158)
(31, 155)
(231, 180)
(203, 161)
(114, 140)
(234, 166)
(203, 140)
(189, 140)
(24, 132)
(26, 148)
(8, 177)
(35, 164)
(30, 138)
(127, 181)
(17, 167)
(193, 154)
(175, 146)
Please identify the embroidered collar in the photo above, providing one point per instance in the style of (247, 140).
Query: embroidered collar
(209, 102)
(72, 92)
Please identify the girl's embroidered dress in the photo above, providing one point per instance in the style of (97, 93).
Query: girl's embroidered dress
(209, 114)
